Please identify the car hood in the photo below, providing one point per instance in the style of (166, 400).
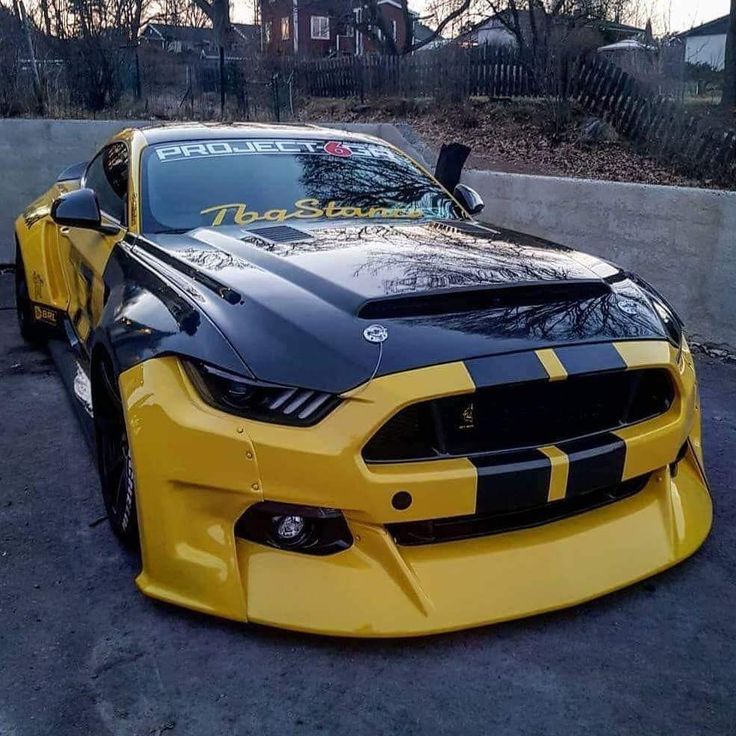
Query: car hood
(294, 302)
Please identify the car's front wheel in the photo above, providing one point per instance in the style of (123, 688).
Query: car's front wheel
(113, 456)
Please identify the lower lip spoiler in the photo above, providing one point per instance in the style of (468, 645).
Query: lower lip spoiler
(377, 589)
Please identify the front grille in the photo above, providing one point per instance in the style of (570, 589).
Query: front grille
(522, 415)
(413, 533)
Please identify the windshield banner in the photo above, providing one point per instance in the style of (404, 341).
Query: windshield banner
(339, 149)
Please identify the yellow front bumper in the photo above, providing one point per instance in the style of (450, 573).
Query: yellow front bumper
(197, 470)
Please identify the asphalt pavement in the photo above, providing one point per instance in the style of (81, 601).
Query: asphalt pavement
(83, 653)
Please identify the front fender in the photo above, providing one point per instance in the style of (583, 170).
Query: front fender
(147, 316)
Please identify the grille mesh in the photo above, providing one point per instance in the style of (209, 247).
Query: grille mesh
(524, 415)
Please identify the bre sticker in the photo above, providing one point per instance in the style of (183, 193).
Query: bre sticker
(44, 314)
(307, 209)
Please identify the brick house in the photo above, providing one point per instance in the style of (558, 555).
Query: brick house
(324, 27)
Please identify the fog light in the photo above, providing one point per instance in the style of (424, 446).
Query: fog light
(289, 528)
(309, 530)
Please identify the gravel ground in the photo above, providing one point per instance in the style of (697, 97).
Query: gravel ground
(83, 653)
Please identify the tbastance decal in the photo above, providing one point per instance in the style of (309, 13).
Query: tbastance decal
(305, 209)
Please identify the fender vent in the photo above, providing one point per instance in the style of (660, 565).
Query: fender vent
(280, 234)
(452, 301)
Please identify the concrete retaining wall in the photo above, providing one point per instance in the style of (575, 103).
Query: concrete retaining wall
(682, 240)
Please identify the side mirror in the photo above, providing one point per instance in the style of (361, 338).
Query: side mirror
(469, 199)
(80, 209)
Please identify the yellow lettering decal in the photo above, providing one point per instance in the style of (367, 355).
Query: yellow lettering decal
(306, 209)
(221, 212)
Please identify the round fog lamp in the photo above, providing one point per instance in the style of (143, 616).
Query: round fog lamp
(289, 528)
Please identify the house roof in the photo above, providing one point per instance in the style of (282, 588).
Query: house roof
(197, 36)
(422, 32)
(717, 27)
(246, 31)
(188, 34)
(603, 25)
(610, 25)
(628, 45)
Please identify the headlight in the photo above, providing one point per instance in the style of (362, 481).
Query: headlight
(263, 402)
(667, 315)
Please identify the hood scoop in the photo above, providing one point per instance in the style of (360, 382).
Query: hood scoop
(454, 301)
(280, 234)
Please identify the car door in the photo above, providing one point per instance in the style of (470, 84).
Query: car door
(89, 250)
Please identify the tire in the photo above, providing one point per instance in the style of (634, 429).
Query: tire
(31, 332)
(114, 460)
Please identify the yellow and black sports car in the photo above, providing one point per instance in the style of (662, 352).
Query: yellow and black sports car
(324, 397)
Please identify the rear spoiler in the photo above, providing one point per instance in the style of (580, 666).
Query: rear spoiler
(74, 172)
(450, 164)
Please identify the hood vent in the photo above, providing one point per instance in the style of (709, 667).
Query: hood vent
(453, 301)
(280, 234)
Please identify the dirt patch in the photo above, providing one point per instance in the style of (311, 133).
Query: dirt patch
(520, 137)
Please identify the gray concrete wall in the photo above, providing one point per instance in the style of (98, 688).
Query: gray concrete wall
(682, 240)
(33, 152)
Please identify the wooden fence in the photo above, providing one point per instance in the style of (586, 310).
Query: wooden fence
(697, 144)
(452, 72)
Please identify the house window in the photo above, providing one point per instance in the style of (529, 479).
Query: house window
(393, 29)
(267, 31)
(285, 28)
(320, 27)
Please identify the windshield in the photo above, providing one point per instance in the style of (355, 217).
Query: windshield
(252, 182)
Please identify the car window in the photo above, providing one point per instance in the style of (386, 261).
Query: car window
(107, 175)
(256, 181)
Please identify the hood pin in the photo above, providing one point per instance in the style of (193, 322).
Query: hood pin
(375, 333)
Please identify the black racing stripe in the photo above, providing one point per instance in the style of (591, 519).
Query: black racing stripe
(512, 481)
(579, 359)
(595, 462)
(498, 369)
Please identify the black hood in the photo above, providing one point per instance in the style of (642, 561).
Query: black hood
(294, 302)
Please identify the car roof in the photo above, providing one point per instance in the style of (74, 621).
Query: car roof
(176, 133)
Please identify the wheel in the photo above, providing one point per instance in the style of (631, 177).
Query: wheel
(114, 459)
(31, 332)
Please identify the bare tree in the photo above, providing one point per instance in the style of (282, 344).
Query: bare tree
(218, 11)
(180, 13)
(729, 85)
(375, 25)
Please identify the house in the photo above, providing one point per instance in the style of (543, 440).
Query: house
(572, 30)
(200, 41)
(706, 44)
(423, 33)
(325, 27)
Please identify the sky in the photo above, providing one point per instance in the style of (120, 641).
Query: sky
(688, 13)
(667, 15)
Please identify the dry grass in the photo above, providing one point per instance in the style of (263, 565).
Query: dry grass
(524, 136)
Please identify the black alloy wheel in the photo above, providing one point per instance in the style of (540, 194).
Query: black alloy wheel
(114, 458)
